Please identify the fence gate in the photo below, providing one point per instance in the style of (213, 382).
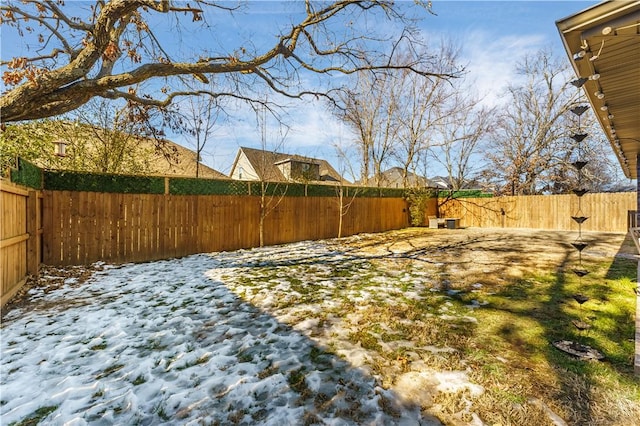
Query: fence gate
(20, 237)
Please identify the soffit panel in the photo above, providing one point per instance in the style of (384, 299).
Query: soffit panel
(615, 56)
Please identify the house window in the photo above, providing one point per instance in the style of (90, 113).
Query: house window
(240, 172)
(60, 148)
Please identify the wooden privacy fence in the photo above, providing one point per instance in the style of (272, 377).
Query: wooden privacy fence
(607, 212)
(20, 237)
(84, 227)
(78, 227)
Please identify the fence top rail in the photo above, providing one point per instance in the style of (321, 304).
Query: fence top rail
(7, 186)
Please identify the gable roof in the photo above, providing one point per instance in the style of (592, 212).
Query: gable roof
(392, 178)
(265, 165)
(157, 157)
(182, 162)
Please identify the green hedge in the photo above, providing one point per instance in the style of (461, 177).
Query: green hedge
(380, 192)
(323, 190)
(195, 186)
(471, 193)
(27, 174)
(81, 181)
(62, 180)
(464, 193)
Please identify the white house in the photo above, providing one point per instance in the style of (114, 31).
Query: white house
(259, 165)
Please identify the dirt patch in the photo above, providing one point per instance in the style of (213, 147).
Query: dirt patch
(50, 278)
(495, 253)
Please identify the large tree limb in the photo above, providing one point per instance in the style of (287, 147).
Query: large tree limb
(39, 87)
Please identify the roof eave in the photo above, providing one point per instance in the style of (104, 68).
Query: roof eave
(582, 26)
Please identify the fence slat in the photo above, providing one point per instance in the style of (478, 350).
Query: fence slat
(607, 212)
(20, 237)
(130, 227)
(86, 227)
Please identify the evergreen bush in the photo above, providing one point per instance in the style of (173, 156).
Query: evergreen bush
(27, 174)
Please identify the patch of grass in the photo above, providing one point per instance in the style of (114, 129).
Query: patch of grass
(316, 354)
(200, 360)
(391, 337)
(236, 416)
(321, 401)
(310, 418)
(203, 359)
(259, 415)
(109, 370)
(366, 339)
(139, 380)
(267, 372)
(531, 312)
(36, 417)
(388, 406)
(508, 351)
(154, 345)
(160, 412)
(341, 272)
(99, 347)
(298, 383)
(243, 356)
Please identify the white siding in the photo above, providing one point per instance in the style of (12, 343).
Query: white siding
(243, 167)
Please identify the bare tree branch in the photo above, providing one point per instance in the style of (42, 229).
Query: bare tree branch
(111, 50)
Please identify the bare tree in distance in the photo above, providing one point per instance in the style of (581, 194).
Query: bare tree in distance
(379, 105)
(464, 126)
(200, 116)
(391, 113)
(529, 134)
(366, 110)
(272, 191)
(110, 48)
(602, 172)
(345, 194)
(106, 140)
(423, 107)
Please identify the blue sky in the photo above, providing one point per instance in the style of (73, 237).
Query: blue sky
(493, 36)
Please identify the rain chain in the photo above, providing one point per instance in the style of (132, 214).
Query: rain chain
(576, 348)
(579, 164)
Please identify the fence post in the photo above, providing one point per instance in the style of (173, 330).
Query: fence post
(33, 228)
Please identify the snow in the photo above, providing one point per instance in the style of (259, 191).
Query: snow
(202, 340)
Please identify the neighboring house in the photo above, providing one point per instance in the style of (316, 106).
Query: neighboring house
(57, 144)
(181, 161)
(442, 182)
(260, 165)
(392, 178)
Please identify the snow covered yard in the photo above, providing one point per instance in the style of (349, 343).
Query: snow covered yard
(401, 328)
(259, 336)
